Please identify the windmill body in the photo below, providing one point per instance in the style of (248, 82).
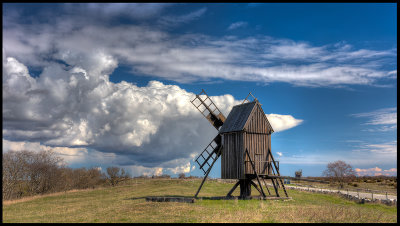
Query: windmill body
(244, 144)
(246, 127)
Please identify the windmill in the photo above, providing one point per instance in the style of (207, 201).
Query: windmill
(244, 144)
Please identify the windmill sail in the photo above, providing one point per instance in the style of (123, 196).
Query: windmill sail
(208, 109)
(209, 154)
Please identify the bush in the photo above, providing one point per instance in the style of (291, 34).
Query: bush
(27, 173)
(116, 175)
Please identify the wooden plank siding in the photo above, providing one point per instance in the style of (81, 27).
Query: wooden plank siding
(232, 156)
(255, 136)
(257, 145)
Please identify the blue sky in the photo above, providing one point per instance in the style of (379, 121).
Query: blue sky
(110, 84)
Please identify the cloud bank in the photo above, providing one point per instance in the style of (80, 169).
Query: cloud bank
(376, 172)
(77, 111)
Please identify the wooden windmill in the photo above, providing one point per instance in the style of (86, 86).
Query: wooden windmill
(244, 144)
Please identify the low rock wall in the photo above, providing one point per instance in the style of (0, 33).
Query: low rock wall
(357, 199)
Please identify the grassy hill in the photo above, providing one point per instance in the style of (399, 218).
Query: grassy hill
(126, 203)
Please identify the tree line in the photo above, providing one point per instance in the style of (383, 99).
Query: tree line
(27, 173)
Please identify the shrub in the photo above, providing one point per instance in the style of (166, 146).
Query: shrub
(27, 173)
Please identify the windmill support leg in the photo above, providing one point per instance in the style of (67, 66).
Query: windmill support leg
(233, 189)
(205, 177)
(255, 186)
(277, 171)
(276, 189)
(254, 168)
(245, 188)
(266, 186)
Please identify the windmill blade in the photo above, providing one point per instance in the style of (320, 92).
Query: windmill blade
(209, 154)
(208, 109)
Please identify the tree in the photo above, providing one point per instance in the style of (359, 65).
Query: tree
(181, 176)
(339, 171)
(28, 173)
(116, 175)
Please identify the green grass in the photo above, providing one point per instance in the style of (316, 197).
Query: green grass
(125, 203)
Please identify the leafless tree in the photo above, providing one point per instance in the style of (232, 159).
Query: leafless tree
(182, 176)
(28, 173)
(116, 175)
(339, 171)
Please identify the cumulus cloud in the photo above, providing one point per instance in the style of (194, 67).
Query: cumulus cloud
(73, 105)
(376, 172)
(78, 111)
(282, 122)
(279, 153)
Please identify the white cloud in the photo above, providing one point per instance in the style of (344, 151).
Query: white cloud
(134, 10)
(198, 57)
(237, 25)
(385, 118)
(171, 21)
(282, 122)
(279, 153)
(83, 115)
(388, 148)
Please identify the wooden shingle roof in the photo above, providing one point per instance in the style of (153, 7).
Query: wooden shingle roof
(237, 118)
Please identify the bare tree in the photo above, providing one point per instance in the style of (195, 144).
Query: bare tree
(28, 173)
(116, 175)
(339, 171)
(182, 176)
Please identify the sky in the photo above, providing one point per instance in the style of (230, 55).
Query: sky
(110, 84)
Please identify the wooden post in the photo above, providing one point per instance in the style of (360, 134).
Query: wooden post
(254, 168)
(233, 189)
(255, 186)
(266, 186)
(276, 190)
(273, 161)
(245, 188)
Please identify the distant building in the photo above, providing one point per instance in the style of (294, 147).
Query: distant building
(298, 174)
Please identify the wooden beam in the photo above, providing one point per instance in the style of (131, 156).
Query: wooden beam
(266, 186)
(276, 189)
(233, 189)
(273, 161)
(255, 186)
(254, 168)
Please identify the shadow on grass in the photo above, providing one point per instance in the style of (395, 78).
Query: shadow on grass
(166, 196)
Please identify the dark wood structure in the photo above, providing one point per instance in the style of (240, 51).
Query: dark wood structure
(246, 127)
(244, 144)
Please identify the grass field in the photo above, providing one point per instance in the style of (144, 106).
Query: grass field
(126, 203)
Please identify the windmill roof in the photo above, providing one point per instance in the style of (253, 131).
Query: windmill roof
(237, 118)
